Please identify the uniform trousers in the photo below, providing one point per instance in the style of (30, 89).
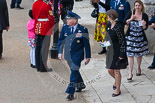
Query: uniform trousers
(32, 56)
(1, 42)
(13, 2)
(41, 51)
(76, 80)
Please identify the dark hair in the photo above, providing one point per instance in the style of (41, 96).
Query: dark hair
(141, 3)
(112, 14)
(30, 13)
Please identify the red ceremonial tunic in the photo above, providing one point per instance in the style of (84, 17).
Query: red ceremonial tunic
(44, 19)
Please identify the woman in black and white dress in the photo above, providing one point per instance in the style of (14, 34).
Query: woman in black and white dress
(137, 44)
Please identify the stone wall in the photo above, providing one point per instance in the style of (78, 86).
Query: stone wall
(148, 2)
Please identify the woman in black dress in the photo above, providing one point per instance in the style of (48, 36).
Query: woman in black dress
(117, 50)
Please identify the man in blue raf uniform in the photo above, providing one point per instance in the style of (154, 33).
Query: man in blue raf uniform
(75, 38)
(122, 7)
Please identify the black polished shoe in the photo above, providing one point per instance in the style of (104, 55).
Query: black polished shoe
(70, 97)
(19, 7)
(33, 66)
(114, 87)
(114, 95)
(151, 67)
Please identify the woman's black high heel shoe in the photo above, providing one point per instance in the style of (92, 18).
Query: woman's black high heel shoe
(114, 87)
(114, 95)
(130, 79)
(138, 73)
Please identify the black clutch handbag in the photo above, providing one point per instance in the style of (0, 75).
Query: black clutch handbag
(94, 13)
(122, 63)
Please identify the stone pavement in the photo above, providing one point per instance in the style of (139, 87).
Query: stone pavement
(99, 83)
(21, 84)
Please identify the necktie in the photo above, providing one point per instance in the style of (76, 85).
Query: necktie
(72, 30)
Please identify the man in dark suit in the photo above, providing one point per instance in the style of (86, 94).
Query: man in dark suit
(122, 7)
(75, 38)
(16, 4)
(152, 25)
(4, 22)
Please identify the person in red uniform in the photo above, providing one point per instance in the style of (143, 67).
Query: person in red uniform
(44, 24)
